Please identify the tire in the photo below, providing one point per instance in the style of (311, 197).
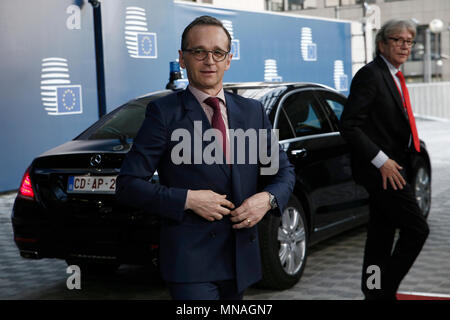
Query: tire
(284, 247)
(94, 268)
(421, 184)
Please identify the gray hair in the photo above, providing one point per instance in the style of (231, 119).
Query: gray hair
(392, 26)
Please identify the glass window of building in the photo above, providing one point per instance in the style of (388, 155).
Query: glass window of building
(290, 5)
(418, 51)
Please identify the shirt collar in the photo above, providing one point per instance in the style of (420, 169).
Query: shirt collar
(392, 69)
(201, 96)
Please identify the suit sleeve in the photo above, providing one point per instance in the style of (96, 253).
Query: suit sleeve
(363, 92)
(133, 185)
(280, 183)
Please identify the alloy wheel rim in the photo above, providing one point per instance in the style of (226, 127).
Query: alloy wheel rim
(423, 190)
(292, 238)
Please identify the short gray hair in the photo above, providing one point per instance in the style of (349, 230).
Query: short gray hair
(392, 26)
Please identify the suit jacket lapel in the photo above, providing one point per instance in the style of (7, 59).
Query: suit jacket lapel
(194, 109)
(235, 121)
(195, 112)
(393, 88)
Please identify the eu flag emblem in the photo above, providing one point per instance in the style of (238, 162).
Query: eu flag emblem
(343, 82)
(235, 49)
(147, 45)
(311, 52)
(69, 99)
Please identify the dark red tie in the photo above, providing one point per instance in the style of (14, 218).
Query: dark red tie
(217, 121)
(407, 105)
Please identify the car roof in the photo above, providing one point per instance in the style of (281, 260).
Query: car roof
(243, 85)
(256, 85)
(143, 101)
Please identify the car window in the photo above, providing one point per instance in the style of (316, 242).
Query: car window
(303, 115)
(124, 122)
(336, 107)
(285, 127)
(335, 102)
(267, 96)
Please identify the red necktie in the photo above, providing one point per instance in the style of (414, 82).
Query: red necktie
(217, 121)
(407, 105)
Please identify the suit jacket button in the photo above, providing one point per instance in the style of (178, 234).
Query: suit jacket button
(212, 234)
(252, 238)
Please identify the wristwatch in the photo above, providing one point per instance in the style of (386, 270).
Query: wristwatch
(272, 201)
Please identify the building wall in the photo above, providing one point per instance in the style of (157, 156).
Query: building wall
(48, 84)
(421, 10)
(255, 5)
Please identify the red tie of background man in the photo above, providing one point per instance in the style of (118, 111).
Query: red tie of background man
(407, 105)
(217, 121)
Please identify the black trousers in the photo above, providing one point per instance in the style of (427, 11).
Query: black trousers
(391, 210)
(216, 290)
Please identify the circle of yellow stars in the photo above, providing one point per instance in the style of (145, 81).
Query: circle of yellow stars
(146, 49)
(69, 105)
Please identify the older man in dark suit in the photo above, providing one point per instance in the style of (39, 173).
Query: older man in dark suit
(209, 239)
(379, 124)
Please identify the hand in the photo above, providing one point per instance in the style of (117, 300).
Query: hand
(390, 171)
(208, 204)
(252, 209)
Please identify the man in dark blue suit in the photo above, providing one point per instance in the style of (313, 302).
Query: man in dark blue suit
(209, 210)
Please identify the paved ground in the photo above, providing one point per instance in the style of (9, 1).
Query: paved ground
(332, 272)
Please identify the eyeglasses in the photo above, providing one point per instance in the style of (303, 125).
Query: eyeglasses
(400, 42)
(201, 54)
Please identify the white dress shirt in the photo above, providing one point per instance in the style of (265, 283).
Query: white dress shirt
(209, 111)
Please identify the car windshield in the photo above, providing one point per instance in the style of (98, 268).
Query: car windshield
(124, 122)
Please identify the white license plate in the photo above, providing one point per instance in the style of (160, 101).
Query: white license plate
(88, 184)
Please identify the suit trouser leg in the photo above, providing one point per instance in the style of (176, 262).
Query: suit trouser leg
(378, 249)
(390, 210)
(215, 290)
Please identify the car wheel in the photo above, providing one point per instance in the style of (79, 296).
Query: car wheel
(94, 268)
(421, 183)
(284, 247)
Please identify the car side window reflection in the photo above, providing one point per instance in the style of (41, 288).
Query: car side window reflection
(335, 102)
(303, 115)
(336, 107)
(286, 130)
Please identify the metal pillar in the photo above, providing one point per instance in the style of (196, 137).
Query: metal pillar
(427, 71)
(98, 37)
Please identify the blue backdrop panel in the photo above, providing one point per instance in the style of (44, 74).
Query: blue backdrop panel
(139, 43)
(47, 76)
(277, 47)
(48, 71)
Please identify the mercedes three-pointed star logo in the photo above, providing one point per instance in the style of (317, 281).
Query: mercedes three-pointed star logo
(96, 160)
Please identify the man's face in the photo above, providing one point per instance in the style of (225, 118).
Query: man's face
(205, 75)
(395, 52)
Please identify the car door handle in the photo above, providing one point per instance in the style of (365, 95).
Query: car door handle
(299, 153)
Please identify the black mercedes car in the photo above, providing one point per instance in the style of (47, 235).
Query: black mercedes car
(66, 207)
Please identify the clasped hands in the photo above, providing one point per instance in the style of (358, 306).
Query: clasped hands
(213, 206)
(390, 172)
